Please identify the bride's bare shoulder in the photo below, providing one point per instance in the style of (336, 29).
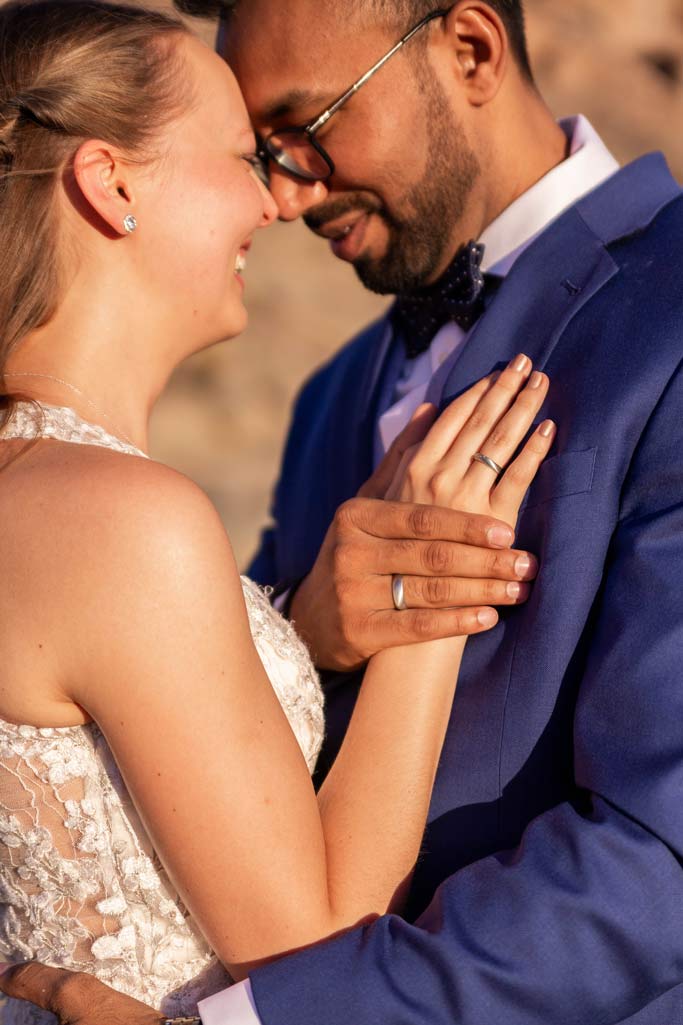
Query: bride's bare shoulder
(91, 517)
(100, 551)
(96, 492)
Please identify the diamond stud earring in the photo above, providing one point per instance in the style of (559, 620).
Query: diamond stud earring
(130, 223)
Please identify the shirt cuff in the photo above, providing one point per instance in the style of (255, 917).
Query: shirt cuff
(233, 1006)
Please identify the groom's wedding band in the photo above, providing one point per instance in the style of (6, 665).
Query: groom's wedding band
(479, 457)
(398, 593)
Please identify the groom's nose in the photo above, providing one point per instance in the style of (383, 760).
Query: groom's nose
(294, 196)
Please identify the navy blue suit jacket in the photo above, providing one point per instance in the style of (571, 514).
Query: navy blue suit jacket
(550, 890)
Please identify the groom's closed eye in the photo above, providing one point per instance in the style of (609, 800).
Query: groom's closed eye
(293, 103)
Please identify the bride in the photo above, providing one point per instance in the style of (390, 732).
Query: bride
(158, 720)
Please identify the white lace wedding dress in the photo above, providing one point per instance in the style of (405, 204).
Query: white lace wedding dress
(80, 885)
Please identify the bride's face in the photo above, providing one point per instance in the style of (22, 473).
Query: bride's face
(201, 204)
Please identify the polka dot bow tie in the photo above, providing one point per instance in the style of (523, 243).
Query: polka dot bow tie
(458, 295)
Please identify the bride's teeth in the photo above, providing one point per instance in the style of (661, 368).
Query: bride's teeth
(240, 263)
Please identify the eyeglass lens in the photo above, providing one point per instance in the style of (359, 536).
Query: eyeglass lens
(295, 152)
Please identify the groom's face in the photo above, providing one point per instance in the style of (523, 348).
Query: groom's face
(404, 169)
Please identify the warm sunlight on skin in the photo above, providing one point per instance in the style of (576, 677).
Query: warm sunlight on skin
(368, 140)
(204, 206)
(449, 104)
(197, 202)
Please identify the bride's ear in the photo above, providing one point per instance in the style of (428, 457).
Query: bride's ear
(106, 182)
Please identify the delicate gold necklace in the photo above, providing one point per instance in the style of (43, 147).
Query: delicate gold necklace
(77, 391)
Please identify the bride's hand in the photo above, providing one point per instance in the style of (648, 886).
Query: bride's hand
(492, 418)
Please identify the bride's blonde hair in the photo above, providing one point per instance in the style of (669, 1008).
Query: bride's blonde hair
(70, 70)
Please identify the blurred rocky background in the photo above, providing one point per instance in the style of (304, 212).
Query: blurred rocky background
(224, 417)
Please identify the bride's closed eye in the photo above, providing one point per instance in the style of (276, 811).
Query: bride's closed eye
(251, 158)
(255, 164)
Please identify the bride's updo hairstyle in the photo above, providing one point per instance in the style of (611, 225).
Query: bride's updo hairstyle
(70, 70)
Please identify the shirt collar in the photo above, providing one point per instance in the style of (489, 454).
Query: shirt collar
(588, 165)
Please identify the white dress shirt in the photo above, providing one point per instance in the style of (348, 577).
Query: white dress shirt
(590, 164)
(234, 1006)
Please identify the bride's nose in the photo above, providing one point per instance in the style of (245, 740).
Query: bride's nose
(270, 208)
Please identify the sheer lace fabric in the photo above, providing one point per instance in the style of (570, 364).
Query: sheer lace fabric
(80, 885)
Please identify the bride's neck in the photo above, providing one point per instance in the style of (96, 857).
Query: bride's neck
(114, 355)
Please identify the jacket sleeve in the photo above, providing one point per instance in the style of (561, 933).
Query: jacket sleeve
(582, 924)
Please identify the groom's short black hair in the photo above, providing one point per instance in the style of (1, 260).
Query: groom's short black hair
(400, 12)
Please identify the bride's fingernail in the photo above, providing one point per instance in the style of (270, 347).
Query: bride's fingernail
(519, 363)
(500, 537)
(536, 380)
(487, 618)
(547, 429)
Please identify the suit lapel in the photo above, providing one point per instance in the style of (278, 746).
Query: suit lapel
(374, 390)
(543, 292)
(558, 274)
(370, 374)
(548, 286)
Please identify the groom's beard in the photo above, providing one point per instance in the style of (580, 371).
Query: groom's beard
(420, 238)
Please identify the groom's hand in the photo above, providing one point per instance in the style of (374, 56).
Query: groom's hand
(75, 998)
(449, 561)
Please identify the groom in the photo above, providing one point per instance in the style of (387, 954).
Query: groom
(550, 890)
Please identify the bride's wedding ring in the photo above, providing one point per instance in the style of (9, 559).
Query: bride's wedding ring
(479, 457)
(398, 593)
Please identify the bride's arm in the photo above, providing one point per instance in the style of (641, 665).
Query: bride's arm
(375, 800)
(167, 667)
(420, 679)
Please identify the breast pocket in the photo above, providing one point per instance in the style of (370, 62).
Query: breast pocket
(569, 473)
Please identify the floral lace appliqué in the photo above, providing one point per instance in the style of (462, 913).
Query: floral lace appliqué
(80, 884)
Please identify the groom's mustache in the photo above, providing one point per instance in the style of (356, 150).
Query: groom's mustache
(327, 213)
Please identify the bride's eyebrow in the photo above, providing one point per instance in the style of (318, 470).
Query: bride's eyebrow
(295, 99)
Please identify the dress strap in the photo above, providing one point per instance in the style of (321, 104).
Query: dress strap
(40, 420)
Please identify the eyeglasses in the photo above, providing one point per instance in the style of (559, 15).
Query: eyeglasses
(297, 151)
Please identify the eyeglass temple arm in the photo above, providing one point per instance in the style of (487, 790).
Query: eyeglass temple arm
(327, 114)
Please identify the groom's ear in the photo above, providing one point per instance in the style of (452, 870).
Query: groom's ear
(480, 47)
(104, 181)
